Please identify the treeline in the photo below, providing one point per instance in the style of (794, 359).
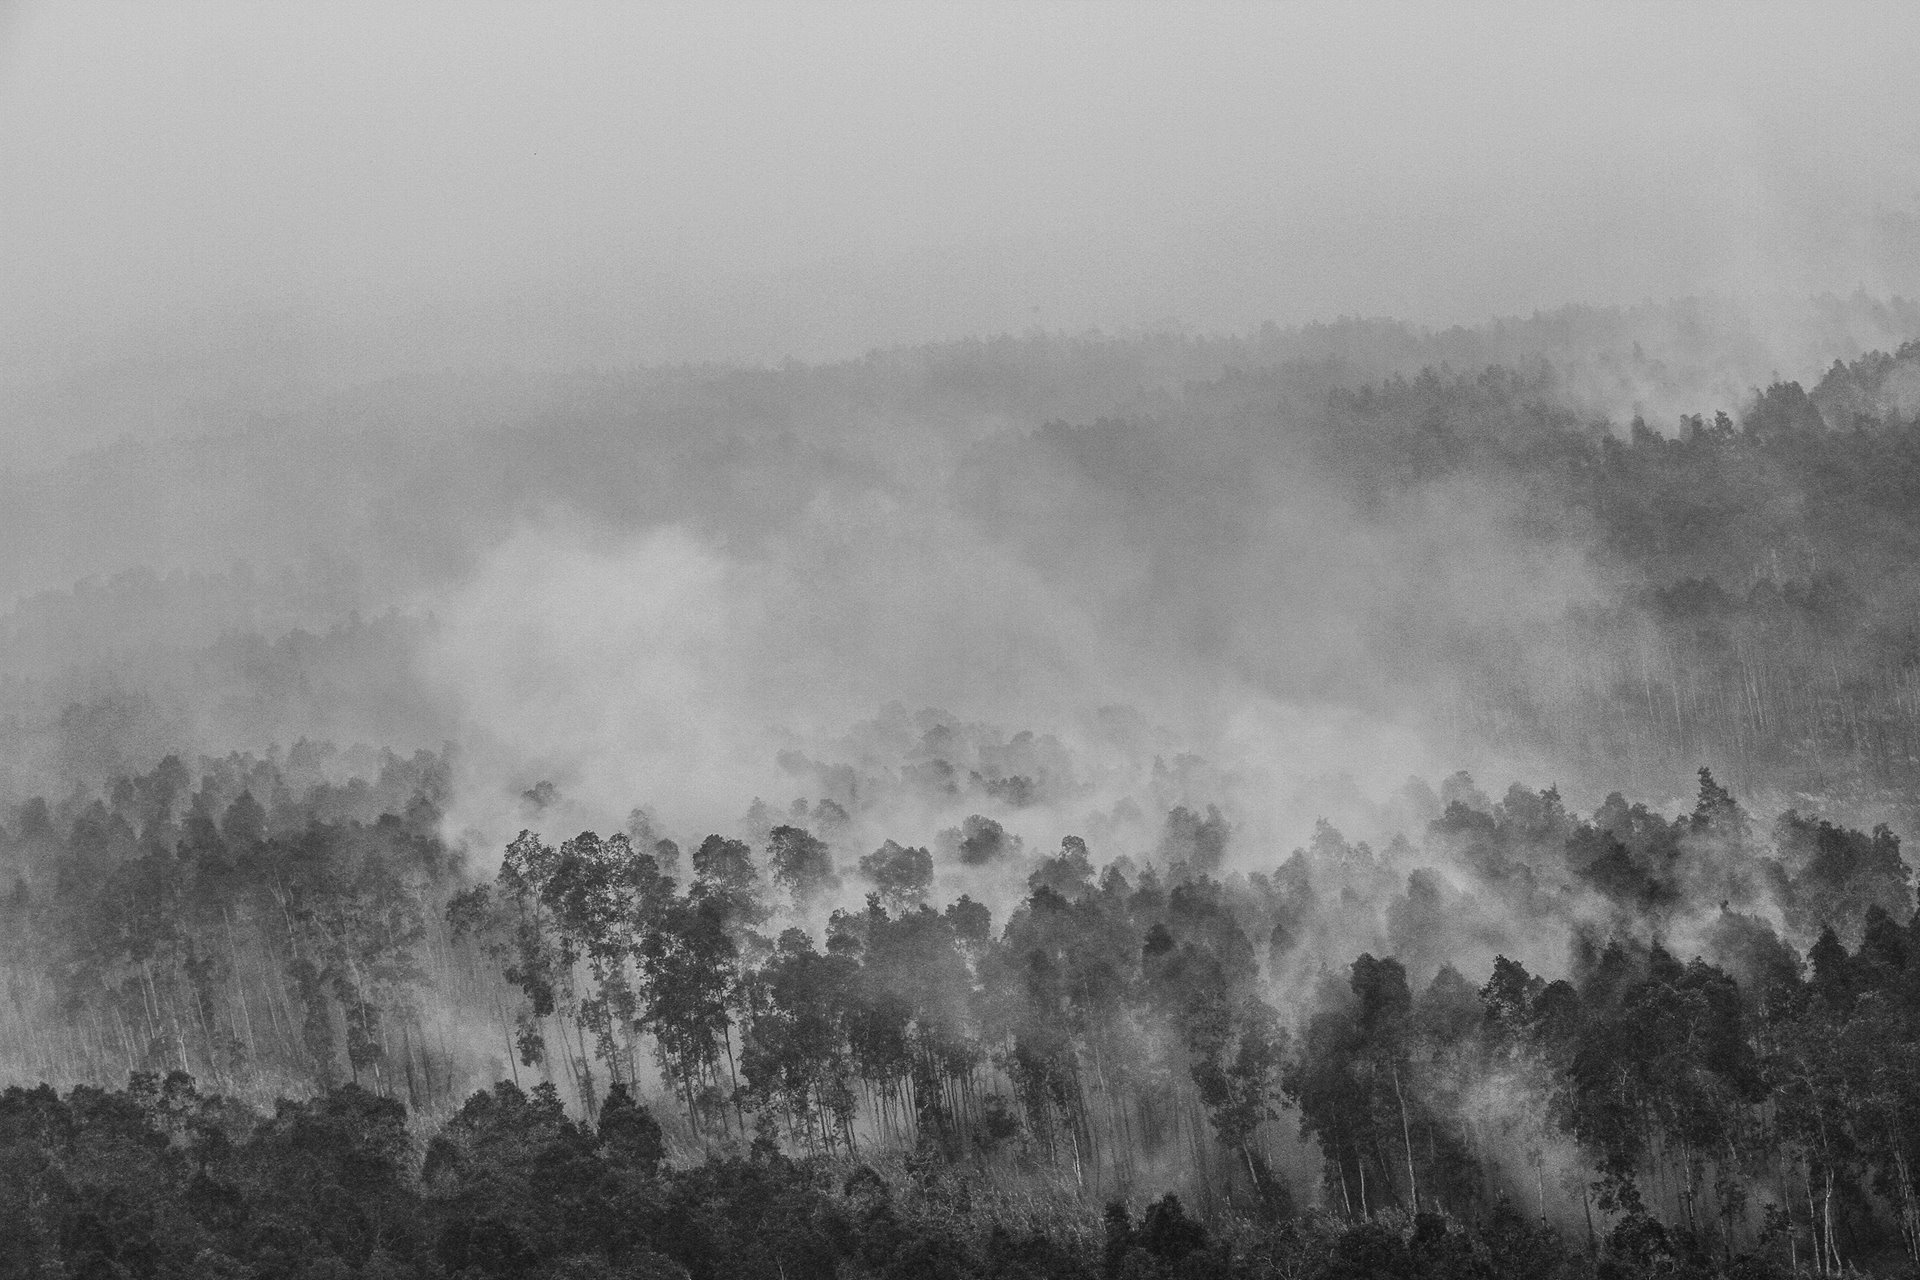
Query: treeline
(1732, 1103)
(1767, 615)
(1750, 594)
(1763, 612)
(266, 926)
(159, 1180)
(1751, 601)
(1172, 443)
(1706, 1067)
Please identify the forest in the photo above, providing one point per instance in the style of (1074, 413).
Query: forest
(921, 1086)
(1064, 987)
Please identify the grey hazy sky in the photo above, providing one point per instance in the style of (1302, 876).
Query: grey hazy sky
(644, 181)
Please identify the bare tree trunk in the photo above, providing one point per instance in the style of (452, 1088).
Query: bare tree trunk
(1406, 1139)
(239, 989)
(1833, 1246)
(506, 1031)
(1813, 1228)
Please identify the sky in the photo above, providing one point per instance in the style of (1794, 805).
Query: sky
(377, 186)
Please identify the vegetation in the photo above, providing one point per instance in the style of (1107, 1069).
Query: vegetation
(886, 1030)
(1161, 1039)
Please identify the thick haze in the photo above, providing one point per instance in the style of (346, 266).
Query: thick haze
(1233, 442)
(335, 347)
(243, 204)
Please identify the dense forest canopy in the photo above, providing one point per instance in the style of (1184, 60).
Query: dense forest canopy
(1348, 800)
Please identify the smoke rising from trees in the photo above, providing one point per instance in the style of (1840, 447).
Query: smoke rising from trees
(562, 717)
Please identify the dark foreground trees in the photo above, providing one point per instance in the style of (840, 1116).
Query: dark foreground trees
(1720, 1066)
(158, 1180)
(1122, 1034)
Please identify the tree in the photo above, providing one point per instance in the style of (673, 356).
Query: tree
(802, 865)
(901, 875)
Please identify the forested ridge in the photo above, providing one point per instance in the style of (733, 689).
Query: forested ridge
(1755, 590)
(1620, 601)
(1132, 1031)
(1046, 999)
